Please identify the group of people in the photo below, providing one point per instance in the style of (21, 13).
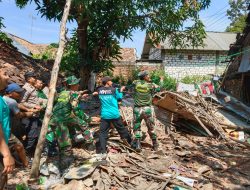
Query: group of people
(19, 106)
(24, 107)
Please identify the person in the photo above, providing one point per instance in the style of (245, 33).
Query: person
(110, 114)
(7, 162)
(39, 85)
(12, 95)
(50, 143)
(143, 91)
(67, 117)
(31, 100)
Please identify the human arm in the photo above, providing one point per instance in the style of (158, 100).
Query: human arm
(14, 108)
(23, 108)
(118, 94)
(8, 160)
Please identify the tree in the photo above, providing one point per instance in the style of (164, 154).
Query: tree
(237, 13)
(34, 173)
(101, 22)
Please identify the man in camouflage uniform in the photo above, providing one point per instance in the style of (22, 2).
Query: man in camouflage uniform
(143, 109)
(68, 117)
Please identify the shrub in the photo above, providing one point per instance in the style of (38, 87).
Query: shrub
(192, 79)
(169, 83)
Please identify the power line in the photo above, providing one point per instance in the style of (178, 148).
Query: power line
(217, 12)
(223, 17)
(210, 20)
(219, 23)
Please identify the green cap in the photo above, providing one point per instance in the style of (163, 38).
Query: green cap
(72, 80)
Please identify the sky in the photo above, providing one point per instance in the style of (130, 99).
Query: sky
(28, 24)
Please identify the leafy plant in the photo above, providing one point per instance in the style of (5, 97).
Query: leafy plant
(3, 36)
(192, 79)
(169, 83)
(48, 54)
(237, 13)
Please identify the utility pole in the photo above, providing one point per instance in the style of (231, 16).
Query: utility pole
(32, 23)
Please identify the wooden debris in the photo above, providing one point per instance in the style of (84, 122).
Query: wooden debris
(195, 109)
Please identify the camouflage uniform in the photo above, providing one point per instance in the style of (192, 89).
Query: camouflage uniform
(143, 108)
(67, 117)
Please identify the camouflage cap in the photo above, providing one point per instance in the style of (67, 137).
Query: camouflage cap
(72, 80)
(143, 73)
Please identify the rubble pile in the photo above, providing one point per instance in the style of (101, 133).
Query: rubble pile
(194, 109)
(183, 161)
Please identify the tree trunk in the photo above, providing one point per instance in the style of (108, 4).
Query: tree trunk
(34, 173)
(82, 34)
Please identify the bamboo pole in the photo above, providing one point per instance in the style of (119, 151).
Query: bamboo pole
(34, 173)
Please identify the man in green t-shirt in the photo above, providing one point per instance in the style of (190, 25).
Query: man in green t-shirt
(144, 90)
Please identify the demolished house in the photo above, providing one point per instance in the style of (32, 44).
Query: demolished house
(237, 77)
(16, 63)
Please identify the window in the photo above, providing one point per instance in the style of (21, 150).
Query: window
(181, 56)
(190, 57)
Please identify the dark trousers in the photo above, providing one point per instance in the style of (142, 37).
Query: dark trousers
(104, 129)
(33, 130)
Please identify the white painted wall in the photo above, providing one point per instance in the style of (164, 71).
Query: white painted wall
(202, 63)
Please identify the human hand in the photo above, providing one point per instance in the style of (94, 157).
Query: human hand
(37, 107)
(85, 95)
(122, 88)
(9, 164)
(95, 93)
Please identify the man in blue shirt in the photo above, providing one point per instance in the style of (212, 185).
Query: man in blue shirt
(7, 162)
(109, 97)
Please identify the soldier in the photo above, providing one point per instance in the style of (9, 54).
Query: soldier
(144, 90)
(67, 116)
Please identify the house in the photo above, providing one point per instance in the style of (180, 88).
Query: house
(124, 65)
(204, 60)
(128, 63)
(237, 77)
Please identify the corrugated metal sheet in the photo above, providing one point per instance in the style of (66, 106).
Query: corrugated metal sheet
(218, 41)
(19, 47)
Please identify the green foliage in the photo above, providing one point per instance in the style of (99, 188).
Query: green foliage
(48, 54)
(22, 186)
(238, 25)
(134, 76)
(1, 23)
(102, 23)
(71, 58)
(169, 83)
(119, 80)
(192, 79)
(3, 36)
(237, 13)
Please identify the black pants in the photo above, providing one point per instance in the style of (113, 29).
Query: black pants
(105, 126)
(33, 130)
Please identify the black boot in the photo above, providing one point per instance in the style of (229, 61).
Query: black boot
(138, 145)
(155, 145)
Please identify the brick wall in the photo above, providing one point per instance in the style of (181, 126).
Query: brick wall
(190, 62)
(125, 68)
